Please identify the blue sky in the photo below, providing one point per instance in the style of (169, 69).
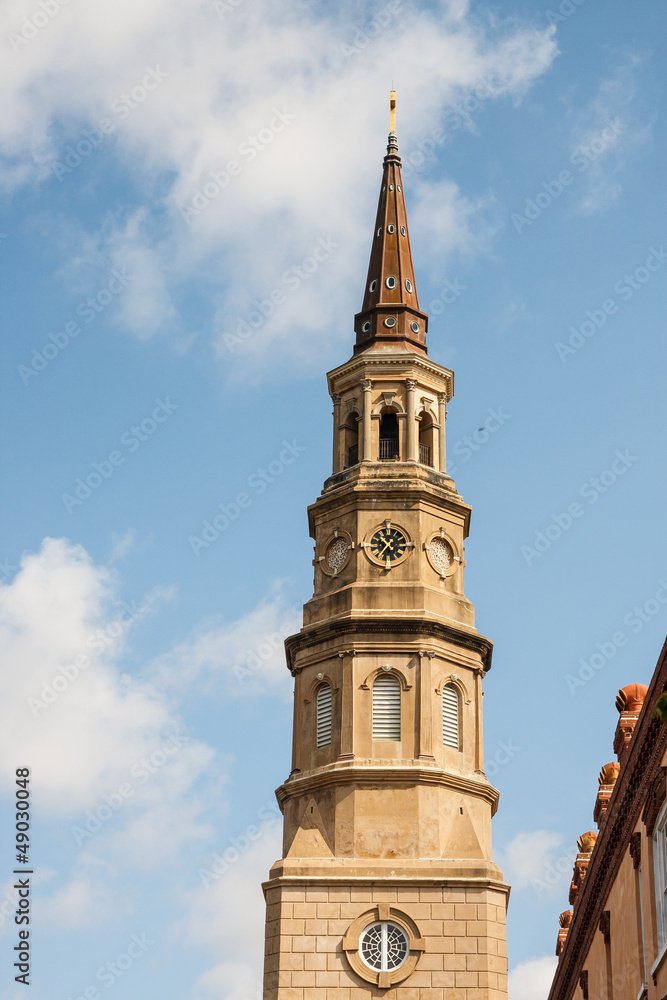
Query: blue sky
(167, 169)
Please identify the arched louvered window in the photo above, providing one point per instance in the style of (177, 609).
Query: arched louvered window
(387, 708)
(323, 706)
(451, 735)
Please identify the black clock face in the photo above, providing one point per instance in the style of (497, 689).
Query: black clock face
(388, 543)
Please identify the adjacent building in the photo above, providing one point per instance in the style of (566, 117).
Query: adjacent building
(612, 944)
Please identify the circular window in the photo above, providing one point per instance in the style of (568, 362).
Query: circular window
(365, 327)
(391, 187)
(390, 321)
(399, 187)
(408, 285)
(379, 232)
(391, 229)
(391, 281)
(384, 946)
(414, 327)
(402, 230)
(373, 285)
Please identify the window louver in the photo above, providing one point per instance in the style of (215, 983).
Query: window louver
(323, 716)
(450, 717)
(387, 709)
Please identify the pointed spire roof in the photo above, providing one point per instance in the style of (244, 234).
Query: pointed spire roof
(390, 311)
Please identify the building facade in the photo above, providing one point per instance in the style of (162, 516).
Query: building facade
(386, 886)
(612, 944)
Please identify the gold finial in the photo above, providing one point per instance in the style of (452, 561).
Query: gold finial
(392, 111)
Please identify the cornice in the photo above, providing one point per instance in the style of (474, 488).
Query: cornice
(368, 364)
(351, 627)
(368, 776)
(642, 763)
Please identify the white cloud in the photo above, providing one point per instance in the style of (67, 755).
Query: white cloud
(248, 652)
(536, 860)
(109, 758)
(531, 980)
(279, 89)
(606, 135)
(228, 917)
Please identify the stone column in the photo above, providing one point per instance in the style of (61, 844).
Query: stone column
(347, 706)
(336, 432)
(366, 385)
(425, 708)
(412, 443)
(479, 735)
(442, 417)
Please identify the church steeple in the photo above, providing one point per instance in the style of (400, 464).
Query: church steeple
(390, 310)
(386, 888)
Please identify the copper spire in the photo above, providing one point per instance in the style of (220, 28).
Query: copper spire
(390, 311)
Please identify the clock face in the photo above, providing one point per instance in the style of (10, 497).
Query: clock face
(388, 543)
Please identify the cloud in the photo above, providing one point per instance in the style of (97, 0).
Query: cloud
(536, 860)
(228, 917)
(531, 980)
(111, 763)
(249, 653)
(606, 135)
(238, 154)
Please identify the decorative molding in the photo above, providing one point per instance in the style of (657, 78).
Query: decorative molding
(583, 982)
(605, 926)
(635, 849)
(386, 669)
(655, 799)
(407, 627)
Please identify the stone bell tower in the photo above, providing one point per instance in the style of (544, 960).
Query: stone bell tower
(386, 886)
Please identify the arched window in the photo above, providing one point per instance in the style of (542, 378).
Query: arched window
(426, 439)
(387, 708)
(323, 708)
(388, 436)
(351, 440)
(451, 728)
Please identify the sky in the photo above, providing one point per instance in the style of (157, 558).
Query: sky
(167, 171)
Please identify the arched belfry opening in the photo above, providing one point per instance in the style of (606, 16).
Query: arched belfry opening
(351, 440)
(426, 439)
(388, 435)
